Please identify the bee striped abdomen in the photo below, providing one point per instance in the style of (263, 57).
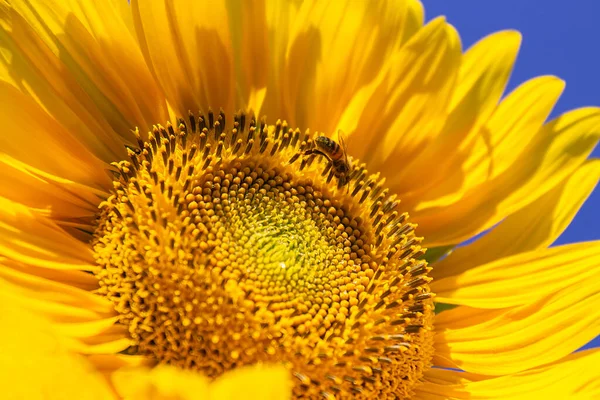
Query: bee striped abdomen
(329, 147)
(336, 155)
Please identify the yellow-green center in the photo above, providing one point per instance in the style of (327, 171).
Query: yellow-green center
(226, 247)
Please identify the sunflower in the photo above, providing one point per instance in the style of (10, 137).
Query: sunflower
(270, 199)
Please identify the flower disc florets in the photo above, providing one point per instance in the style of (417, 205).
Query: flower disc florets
(227, 247)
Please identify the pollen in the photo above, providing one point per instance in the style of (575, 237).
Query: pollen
(228, 246)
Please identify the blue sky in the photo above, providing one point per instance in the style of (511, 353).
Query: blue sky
(558, 39)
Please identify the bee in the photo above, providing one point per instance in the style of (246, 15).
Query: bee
(336, 154)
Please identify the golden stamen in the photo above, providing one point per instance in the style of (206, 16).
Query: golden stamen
(226, 247)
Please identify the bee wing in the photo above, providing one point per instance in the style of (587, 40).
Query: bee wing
(342, 139)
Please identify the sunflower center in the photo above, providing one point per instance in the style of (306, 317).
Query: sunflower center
(226, 247)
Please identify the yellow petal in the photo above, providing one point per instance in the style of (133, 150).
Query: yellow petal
(574, 377)
(35, 287)
(395, 117)
(513, 125)
(534, 227)
(35, 362)
(75, 278)
(109, 363)
(519, 116)
(33, 239)
(483, 75)
(53, 196)
(33, 137)
(104, 344)
(557, 150)
(86, 318)
(256, 382)
(51, 85)
(250, 47)
(499, 342)
(279, 16)
(87, 60)
(188, 48)
(162, 382)
(337, 47)
(563, 146)
(522, 278)
(269, 382)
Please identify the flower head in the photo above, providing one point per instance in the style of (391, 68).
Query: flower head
(163, 238)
